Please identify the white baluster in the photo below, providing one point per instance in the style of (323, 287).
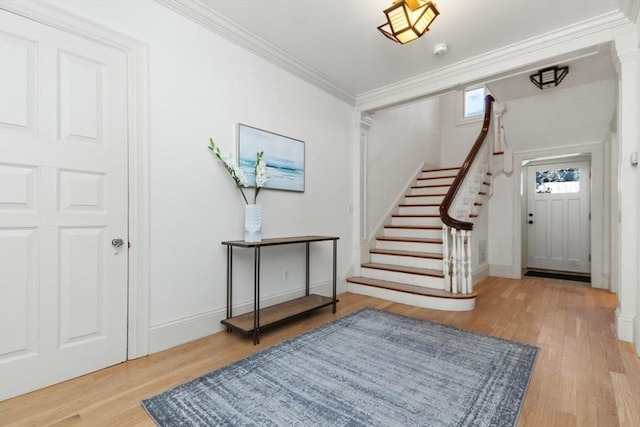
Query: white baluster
(469, 286)
(445, 257)
(463, 262)
(460, 261)
(454, 264)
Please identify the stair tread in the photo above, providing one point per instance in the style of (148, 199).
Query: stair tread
(415, 227)
(426, 195)
(404, 269)
(405, 205)
(438, 177)
(406, 253)
(440, 169)
(409, 239)
(412, 289)
(431, 186)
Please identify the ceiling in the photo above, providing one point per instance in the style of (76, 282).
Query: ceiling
(338, 40)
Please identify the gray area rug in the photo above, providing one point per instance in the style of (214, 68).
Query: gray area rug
(370, 368)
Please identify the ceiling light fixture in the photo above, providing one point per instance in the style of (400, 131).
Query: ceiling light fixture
(548, 77)
(408, 20)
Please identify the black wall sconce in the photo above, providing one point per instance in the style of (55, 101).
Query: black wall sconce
(547, 77)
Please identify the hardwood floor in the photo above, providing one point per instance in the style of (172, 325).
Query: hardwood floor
(583, 375)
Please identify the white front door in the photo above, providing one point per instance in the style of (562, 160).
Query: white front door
(557, 216)
(63, 199)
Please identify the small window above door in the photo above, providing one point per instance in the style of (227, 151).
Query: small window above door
(558, 181)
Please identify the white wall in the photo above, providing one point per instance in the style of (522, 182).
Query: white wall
(200, 87)
(554, 118)
(399, 141)
(457, 139)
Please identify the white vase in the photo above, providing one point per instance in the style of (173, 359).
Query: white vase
(253, 223)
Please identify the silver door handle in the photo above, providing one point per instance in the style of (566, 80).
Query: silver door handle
(117, 242)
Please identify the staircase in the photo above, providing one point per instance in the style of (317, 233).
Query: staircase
(406, 264)
(423, 257)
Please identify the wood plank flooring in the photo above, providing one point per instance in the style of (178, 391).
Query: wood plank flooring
(583, 375)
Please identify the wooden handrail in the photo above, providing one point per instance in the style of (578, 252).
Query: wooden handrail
(457, 182)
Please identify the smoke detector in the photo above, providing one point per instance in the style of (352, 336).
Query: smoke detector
(440, 49)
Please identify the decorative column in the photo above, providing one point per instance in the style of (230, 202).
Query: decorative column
(628, 52)
(361, 243)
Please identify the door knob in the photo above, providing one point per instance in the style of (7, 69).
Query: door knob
(117, 242)
(530, 222)
(530, 214)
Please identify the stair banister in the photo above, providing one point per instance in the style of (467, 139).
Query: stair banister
(457, 182)
(457, 231)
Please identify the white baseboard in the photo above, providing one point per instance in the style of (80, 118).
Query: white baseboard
(480, 273)
(625, 326)
(180, 331)
(501, 270)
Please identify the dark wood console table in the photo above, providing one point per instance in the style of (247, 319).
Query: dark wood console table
(261, 318)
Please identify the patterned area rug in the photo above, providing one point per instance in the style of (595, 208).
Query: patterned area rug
(370, 368)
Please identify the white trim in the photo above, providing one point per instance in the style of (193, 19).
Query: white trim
(625, 326)
(631, 9)
(502, 270)
(595, 149)
(480, 273)
(584, 34)
(138, 107)
(180, 331)
(198, 12)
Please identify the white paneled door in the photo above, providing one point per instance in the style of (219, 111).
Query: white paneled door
(63, 200)
(557, 217)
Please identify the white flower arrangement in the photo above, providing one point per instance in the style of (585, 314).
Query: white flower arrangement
(237, 174)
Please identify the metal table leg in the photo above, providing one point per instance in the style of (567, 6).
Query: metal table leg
(256, 296)
(335, 257)
(229, 284)
(307, 269)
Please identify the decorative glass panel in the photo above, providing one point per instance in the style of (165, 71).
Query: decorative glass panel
(558, 181)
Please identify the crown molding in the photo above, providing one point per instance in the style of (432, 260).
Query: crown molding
(45, 12)
(200, 13)
(588, 33)
(631, 9)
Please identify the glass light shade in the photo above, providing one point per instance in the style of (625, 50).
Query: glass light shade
(407, 20)
(551, 76)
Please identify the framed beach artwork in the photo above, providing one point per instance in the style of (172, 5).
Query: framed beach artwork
(284, 158)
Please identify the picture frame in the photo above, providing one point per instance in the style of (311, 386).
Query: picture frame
(284, 158)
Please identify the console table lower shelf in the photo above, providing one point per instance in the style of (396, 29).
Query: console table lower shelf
(260, 318)
(277, 313)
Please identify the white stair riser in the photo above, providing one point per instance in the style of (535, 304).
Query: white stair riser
(416, 221)
(413, 232)
(438, 173)
(425, 221)
(425, 191)
(407, 261)
(433, 209)
(423, 200)
(435, 181)
(406, 278)
(434, 248)
(447, 304)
